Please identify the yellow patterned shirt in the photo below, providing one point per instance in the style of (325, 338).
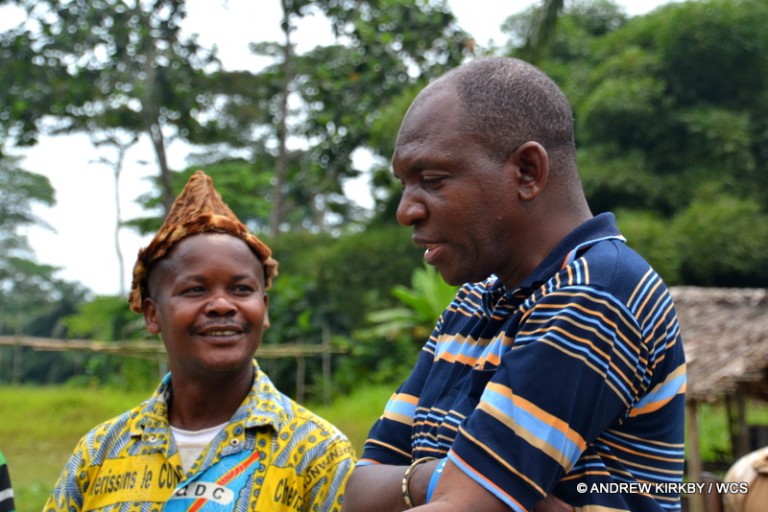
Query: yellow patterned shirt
(273, 456)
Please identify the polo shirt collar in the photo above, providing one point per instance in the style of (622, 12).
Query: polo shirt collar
(598, 228)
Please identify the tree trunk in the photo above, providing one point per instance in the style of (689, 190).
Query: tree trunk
(153, 126)
(281, 166)
(166, 184)
(695, 466)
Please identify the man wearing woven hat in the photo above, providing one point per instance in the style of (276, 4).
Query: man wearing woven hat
(216, 435)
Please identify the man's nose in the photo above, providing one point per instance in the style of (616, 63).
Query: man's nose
(410, 210)
(220, 304)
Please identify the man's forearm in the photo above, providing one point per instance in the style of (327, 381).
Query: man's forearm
(378, 488)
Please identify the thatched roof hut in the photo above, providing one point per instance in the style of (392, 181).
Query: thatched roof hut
(725, 334)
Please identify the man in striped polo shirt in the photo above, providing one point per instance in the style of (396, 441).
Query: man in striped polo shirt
(555, 379)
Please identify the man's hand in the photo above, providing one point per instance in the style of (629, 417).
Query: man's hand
(552, 504)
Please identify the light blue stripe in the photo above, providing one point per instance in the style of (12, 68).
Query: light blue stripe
(396, 406)
(665, 392)
(541, 430)
(465, 349)
(471, 474)
(646, 448)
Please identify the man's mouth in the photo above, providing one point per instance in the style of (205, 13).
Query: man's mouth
(222, 333)
(432, 252)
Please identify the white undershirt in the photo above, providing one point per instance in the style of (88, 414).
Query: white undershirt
(192, 443)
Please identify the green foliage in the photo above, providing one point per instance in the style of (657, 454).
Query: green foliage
(49, 308)
(420, 307)
(108, 318)
(723, 241)
(349, 274)
(385, 350)
(20, 191)
(32, 299)
(569, 36)
(105, 318)
(243, 186)
(651, 235)
(613, 182)
(719, 138)
(687, 117)
(672, 129)
(729, 36)
(672, 134)
(622, 105)
(113, 65)
(27, 94)
(326, 287)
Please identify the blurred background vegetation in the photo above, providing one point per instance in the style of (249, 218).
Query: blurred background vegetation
(671, 111)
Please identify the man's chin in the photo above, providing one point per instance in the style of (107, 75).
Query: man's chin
(455, 277)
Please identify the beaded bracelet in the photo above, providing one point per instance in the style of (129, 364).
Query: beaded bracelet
(407, 478)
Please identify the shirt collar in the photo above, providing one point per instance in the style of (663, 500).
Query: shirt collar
(264, 405)
(598, 228)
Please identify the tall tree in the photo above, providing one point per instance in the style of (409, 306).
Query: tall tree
(19, 191)
(541, 31)
(118, 64)
(671, 123)
(121, 143)
(336, 93)
(27, 89)
(29, 291)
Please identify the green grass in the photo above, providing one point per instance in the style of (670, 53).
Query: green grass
(713, 428)
(39, 428)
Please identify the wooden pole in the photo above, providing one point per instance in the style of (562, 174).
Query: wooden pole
(742, 448)
(301, 377)
(695, 467)
(327, 391)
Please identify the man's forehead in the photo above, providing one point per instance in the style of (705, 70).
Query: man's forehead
(204, 247)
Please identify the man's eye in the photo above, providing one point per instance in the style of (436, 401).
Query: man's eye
(243, 289)
(193, 290)
(428, 179)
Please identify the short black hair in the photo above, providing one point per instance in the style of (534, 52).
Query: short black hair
(507, 102)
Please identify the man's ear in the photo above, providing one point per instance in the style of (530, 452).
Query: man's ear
(533, 163)
(149, 308)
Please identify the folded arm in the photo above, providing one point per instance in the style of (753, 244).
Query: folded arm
(378, 488)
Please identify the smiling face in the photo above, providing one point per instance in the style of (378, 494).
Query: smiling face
(461, 202)
(208, 302)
